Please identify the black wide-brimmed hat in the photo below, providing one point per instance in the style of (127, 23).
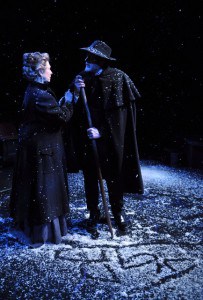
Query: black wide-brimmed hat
(99, 48)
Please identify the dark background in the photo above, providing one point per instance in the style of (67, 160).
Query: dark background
(157, 43)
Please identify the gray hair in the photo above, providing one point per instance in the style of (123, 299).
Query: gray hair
(32, 63)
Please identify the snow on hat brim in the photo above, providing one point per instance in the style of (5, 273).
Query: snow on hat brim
(99, 48)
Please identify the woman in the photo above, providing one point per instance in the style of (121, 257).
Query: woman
(39, 198)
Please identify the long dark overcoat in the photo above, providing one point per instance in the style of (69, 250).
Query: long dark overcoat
(39, 191)
(111, 99)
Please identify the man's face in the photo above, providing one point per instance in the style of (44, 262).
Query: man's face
(92, 63)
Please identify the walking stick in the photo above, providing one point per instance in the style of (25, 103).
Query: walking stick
(96, 156)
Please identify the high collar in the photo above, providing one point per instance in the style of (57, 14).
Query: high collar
(43, 86)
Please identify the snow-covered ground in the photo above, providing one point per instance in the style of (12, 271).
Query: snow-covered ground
(159, 258)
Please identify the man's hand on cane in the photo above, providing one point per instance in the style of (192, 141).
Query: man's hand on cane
(78, 83)
(93, 133)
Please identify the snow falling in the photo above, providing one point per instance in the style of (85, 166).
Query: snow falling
(159, 258)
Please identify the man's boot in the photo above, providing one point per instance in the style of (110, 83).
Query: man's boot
(120, 221)
(93, 218)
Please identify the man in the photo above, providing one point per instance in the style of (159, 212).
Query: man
(111, 97)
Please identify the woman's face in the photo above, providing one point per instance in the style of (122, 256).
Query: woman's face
(46, 73)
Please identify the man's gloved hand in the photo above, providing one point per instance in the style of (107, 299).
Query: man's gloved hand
(93, 133)
(78, 83)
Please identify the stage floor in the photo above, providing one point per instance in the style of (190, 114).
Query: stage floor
(159, 258)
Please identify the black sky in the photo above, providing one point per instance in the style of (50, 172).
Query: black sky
(157, 43)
